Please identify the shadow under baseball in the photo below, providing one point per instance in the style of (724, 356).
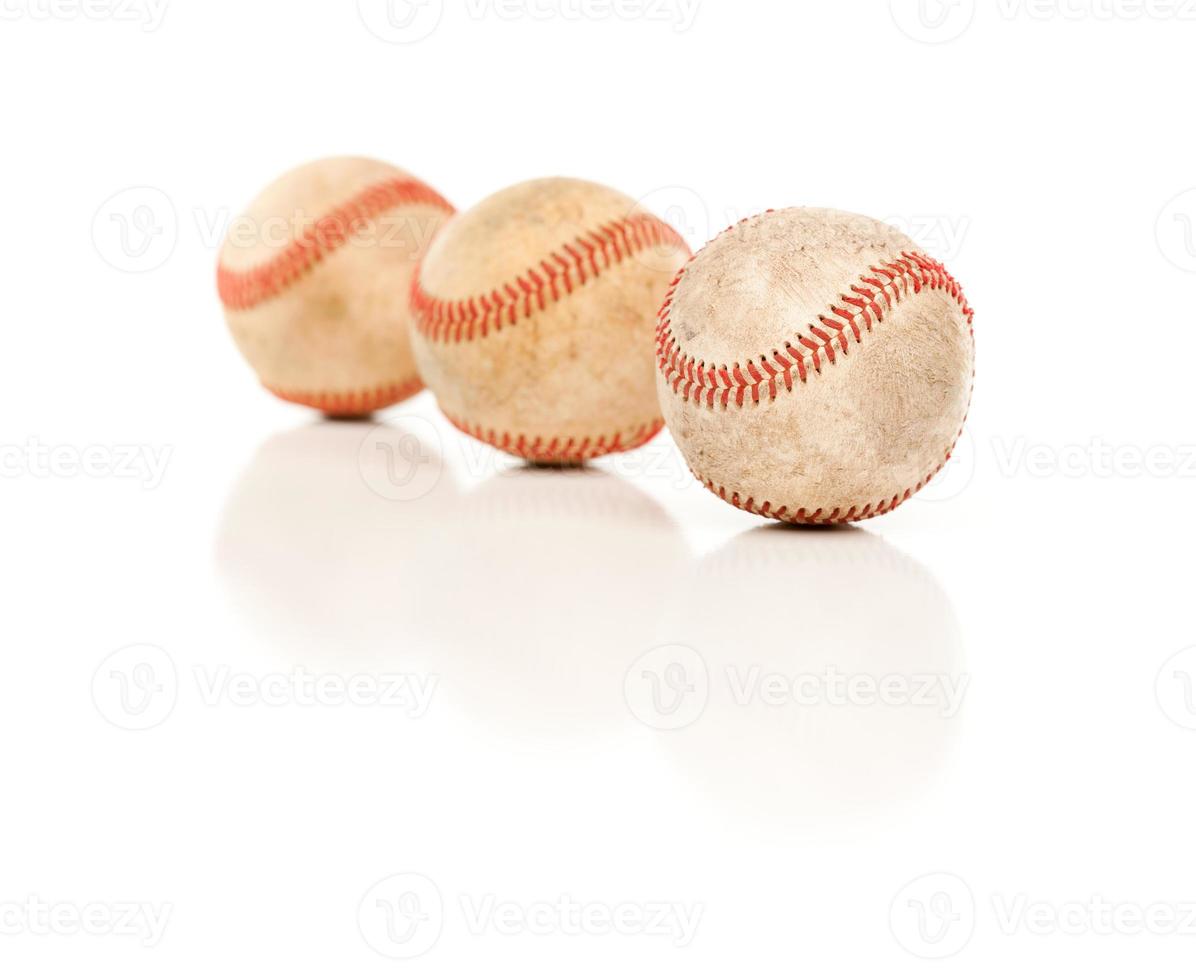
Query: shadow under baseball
(833, 677)
(325, 534)
(520, 596)
(541, 581)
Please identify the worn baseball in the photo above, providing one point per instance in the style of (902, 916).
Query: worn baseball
(534, 314)
(314, 279)
(814, 366)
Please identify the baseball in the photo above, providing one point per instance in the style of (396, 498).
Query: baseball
(815, 367)
(314, 279)
(534, 314)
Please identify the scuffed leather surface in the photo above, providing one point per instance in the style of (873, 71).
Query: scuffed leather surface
(581, 368)
(344, 326)
(876, 423)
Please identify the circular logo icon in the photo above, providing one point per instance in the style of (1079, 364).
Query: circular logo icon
(136, 230)
(401, 459)
(1175, 231)
(668, 688)
(1175, 689)
(954, 478)
(933, 21)
(401, 21)
(685, 211)
(136, 688)
(933, 917)
(402, 917)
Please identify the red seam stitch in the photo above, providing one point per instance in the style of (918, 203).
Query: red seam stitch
(557, 450)
(245, 289)
(799, 515)
(351, 403)
(893, 281)
(577, 262)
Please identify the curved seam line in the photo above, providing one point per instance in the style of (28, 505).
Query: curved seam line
(560, 447)
(242, 290)
(874, 296)
(800, 515)
(563, 271)
(361, 399)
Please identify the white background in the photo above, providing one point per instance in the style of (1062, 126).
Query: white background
(1042, 149)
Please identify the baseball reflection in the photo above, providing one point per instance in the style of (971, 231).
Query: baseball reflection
(325, 536)
(540, 580)
(810, 678)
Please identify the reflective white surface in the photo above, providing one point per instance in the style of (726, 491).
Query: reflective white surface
(286, 698)
(533, 595)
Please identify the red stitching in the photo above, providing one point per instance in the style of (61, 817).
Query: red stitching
(243, 290)
(866, 302)
(869, 300)
(352, 403)
(799, 515)
(560, 449)
(562, 271)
